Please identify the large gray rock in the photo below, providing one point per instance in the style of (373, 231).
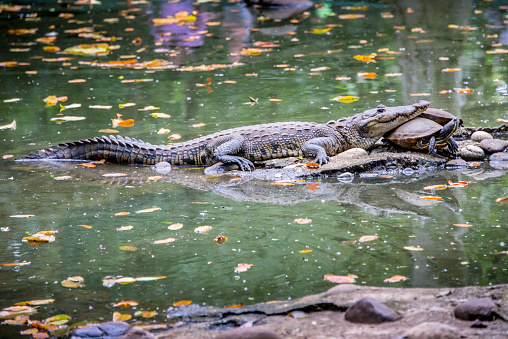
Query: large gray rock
(138, 333)
(481, 308)
(480, 135)
(471, 153)
(493, 145)
(370, 311)
(500, 156)
(109, 330)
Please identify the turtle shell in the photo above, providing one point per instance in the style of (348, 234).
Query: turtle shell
(409, 134)
(438, 115)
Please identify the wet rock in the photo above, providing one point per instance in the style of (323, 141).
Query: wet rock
(480, 135)
(456, 163)
(138, 333)
(162, 167)
(432, 330)
(109, 330)
(471, 153)
(248, 333)
(493, 145)
(481, 308)
(220, 168)
(369, 311)
(280, 163)
(500, 156)
(353, 153)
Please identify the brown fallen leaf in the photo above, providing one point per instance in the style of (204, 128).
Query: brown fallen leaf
(368, 238)
(303, 221)
(126, 304)
(182, 303)
(341, 279)
(395, 279)
(502, 200)
(242, 267)
(148, 210)
(463, 225)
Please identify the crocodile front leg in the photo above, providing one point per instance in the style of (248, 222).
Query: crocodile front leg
(320, 148)
(223, 147)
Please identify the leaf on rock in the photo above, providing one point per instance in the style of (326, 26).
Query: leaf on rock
(431, 198)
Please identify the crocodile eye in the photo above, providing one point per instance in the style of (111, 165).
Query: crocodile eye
(381, 108)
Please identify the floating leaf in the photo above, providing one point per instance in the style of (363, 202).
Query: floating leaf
(88, 164)
(128, 248)
(128, 104)
(163, 131)
(201, 124)
(502, 200)
(464, 90)
(125, 228)
(345, 99)
(458, 184)
(235, 306)
(58, 317)
(370, 75)
(366, 58)
(431, 198)
(149, 108)
(114, 175)
(395, 279)
(220, 239)
(160, 115)
(150, 278)
(122, 213)
(412, 248)
(275, 100)
(117, 316)
(77, 278)
(149, 314)
(435, 187)
(126, 304)
(100, 106)
(126, 280)
(305, 251)
(463, 225)
(31, 302)
(148, 210)
(11, 126)
(242, 267)
(71, 284)
(16, 264)
(39, 238)
(175, 226)
(303, 221)
(164, 241)
(67, 118)
(22, 216)
(202, 229)
(174, 137)
(341, 279)
(86, 226)
(368, 238)
(108, 130)
(182, 303)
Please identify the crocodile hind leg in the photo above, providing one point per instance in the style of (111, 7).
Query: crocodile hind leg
(223, 147)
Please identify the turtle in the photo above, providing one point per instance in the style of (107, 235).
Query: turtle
(432, 131)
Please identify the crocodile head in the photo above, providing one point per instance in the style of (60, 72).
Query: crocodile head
(376, 122)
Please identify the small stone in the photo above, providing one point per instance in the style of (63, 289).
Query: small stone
(353, 153)
(248, 333)
(456, 163)
(480, 135)
(481, 308)
(432, 330)
(471, 153)
(162, 167)
(493, 145)
(501, 156)
(370, 311)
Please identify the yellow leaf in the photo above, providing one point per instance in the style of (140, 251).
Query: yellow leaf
(129, 104)
(117, 316)
(412, 248)
(108, 130)
(395, 279)
(175, 226)
(202, 229)
(122, 213)
(32, 302)
(160, 115)
(368, 238)
(345, 99)
(128, 248)
(86, 226)
(126, 304)
(341, 279)
(149, 314)
(57, 318)
(431, 198)
(148, 210)
(435, 187)
(305, 251)
(182, 303)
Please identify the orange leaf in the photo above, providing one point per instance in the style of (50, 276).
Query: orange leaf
(395, 278)
(182, 303)
(313, 187)
(125, 304)
(431, 198)
(242, 267)
(87, 164)
(462, 225)
(341, 279)
(34, 302)
(148, 210)
(220, 239)
(464, 90)
(86, 226)
(122, 213)
(305, 251)
(16, 264)
(370, 75)
(276, 100)
(126, 123)
(303, 221)
(502, 200)
(235, 306)
(312, 165)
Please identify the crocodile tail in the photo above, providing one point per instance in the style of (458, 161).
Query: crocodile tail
(113, 149)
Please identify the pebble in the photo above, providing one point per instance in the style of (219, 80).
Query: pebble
(370, 311)
(481, 308)
(353, 153)
(248, 333)
(471, 153)
(162, 167)
(480, 135)
(432, 330)
(493, 145)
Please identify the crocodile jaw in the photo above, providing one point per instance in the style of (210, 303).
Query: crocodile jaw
(376, 122)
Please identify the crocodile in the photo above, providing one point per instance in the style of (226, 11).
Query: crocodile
(244, 145)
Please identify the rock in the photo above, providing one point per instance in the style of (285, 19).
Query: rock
(432, 330)
(109, 330)
(501, 156)
(478, 324)
(471, 153)
(369, 311)
(280, 162)
(493, 145)
(481, 308)
(353, 153)
(456, 163)
(248, 333)
(480, 135)
(162, 167)
(138, 333)
(220, 168)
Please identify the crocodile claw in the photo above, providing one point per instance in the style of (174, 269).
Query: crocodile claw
(321, 160)
(244, 164)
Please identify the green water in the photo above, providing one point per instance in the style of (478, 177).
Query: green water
(256, 217)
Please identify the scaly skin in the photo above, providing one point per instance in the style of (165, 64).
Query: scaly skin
(243, 145)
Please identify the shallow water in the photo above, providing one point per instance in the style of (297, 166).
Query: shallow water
(255, 216)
